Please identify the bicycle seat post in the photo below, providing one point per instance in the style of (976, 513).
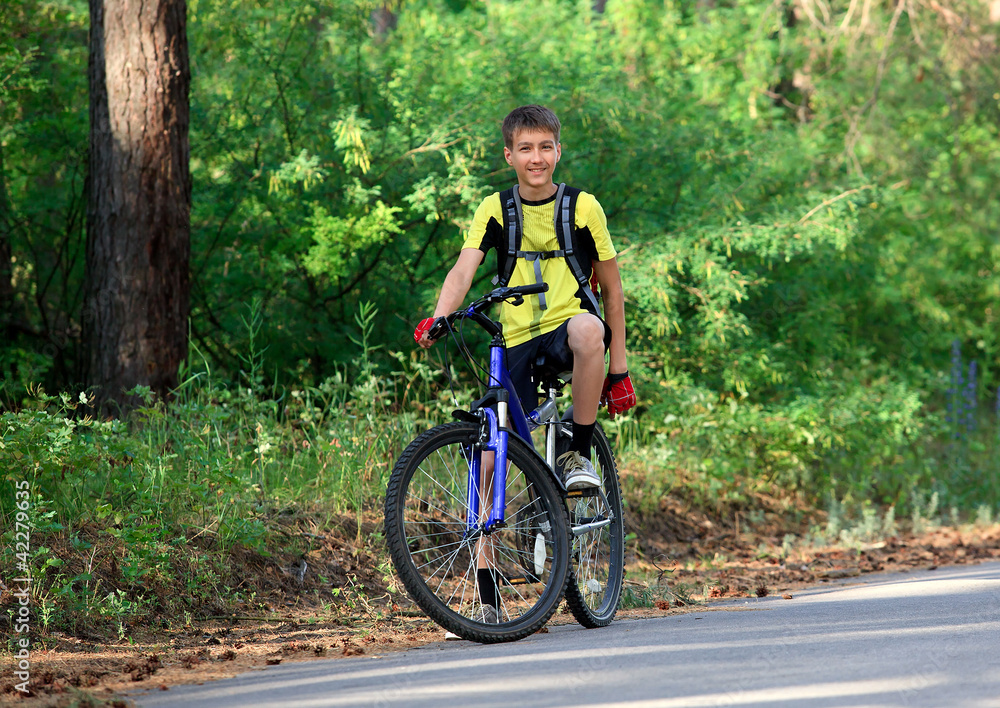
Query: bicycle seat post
(548, 415)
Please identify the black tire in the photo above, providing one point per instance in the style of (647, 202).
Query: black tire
(425, 531)
(597, 567)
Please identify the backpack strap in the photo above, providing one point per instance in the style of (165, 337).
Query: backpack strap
(513, 218)
(565, 226)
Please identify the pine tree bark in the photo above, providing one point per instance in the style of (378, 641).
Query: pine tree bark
(384, 19)
(139, 209)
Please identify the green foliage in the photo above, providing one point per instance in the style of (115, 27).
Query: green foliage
(337, 238)
(802, 197)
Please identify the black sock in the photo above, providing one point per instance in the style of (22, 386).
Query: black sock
(488, 593)
(583, 435)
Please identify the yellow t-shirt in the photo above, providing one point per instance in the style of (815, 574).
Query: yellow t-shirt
(526, 321)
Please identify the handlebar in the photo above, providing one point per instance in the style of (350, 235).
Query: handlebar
(529, 289)
(514, 295)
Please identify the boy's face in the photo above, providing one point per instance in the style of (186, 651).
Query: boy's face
(534, 156)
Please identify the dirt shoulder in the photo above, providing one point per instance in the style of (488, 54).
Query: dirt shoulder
(673, 577)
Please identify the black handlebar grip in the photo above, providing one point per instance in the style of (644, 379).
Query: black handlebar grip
(438, 329)
(531, 288)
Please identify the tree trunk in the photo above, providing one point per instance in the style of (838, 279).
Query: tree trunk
(139, 209)
(384, 19)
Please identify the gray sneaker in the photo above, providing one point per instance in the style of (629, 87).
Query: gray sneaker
(489, 615)
(578, 473)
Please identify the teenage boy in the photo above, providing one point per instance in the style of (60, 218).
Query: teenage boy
(564, 322)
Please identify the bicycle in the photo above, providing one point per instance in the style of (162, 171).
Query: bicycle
(474, 496)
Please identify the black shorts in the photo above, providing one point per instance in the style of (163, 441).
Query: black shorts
(557, 357)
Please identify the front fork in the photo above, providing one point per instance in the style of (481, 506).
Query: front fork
(493, 438)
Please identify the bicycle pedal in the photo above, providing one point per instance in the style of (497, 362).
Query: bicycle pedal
(520, 580)
(540, 554)
(585, 492)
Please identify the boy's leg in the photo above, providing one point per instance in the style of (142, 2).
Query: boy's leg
(578, 344)
(586, 334)
(587, 339)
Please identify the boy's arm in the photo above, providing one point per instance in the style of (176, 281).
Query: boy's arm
(456, 287)
(614, 312)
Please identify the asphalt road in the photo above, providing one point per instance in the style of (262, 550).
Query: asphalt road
(915, 639)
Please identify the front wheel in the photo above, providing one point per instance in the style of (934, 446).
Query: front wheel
(484, 585)
(597, 529)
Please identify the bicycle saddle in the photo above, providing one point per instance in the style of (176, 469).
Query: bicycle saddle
(546, 371)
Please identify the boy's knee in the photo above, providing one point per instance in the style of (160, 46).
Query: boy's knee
(586, 332)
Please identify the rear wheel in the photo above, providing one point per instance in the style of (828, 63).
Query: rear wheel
(456, 576)
(597, 528)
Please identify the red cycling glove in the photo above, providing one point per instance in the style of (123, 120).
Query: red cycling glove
(618, 393)
(425, 324)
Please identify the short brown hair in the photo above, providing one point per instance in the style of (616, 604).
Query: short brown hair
(529, 118)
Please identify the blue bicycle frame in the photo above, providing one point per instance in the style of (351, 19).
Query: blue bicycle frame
(508, 408)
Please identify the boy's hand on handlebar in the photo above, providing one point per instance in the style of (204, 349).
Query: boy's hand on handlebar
(430, 330)
(420, 333)
(618, 393)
